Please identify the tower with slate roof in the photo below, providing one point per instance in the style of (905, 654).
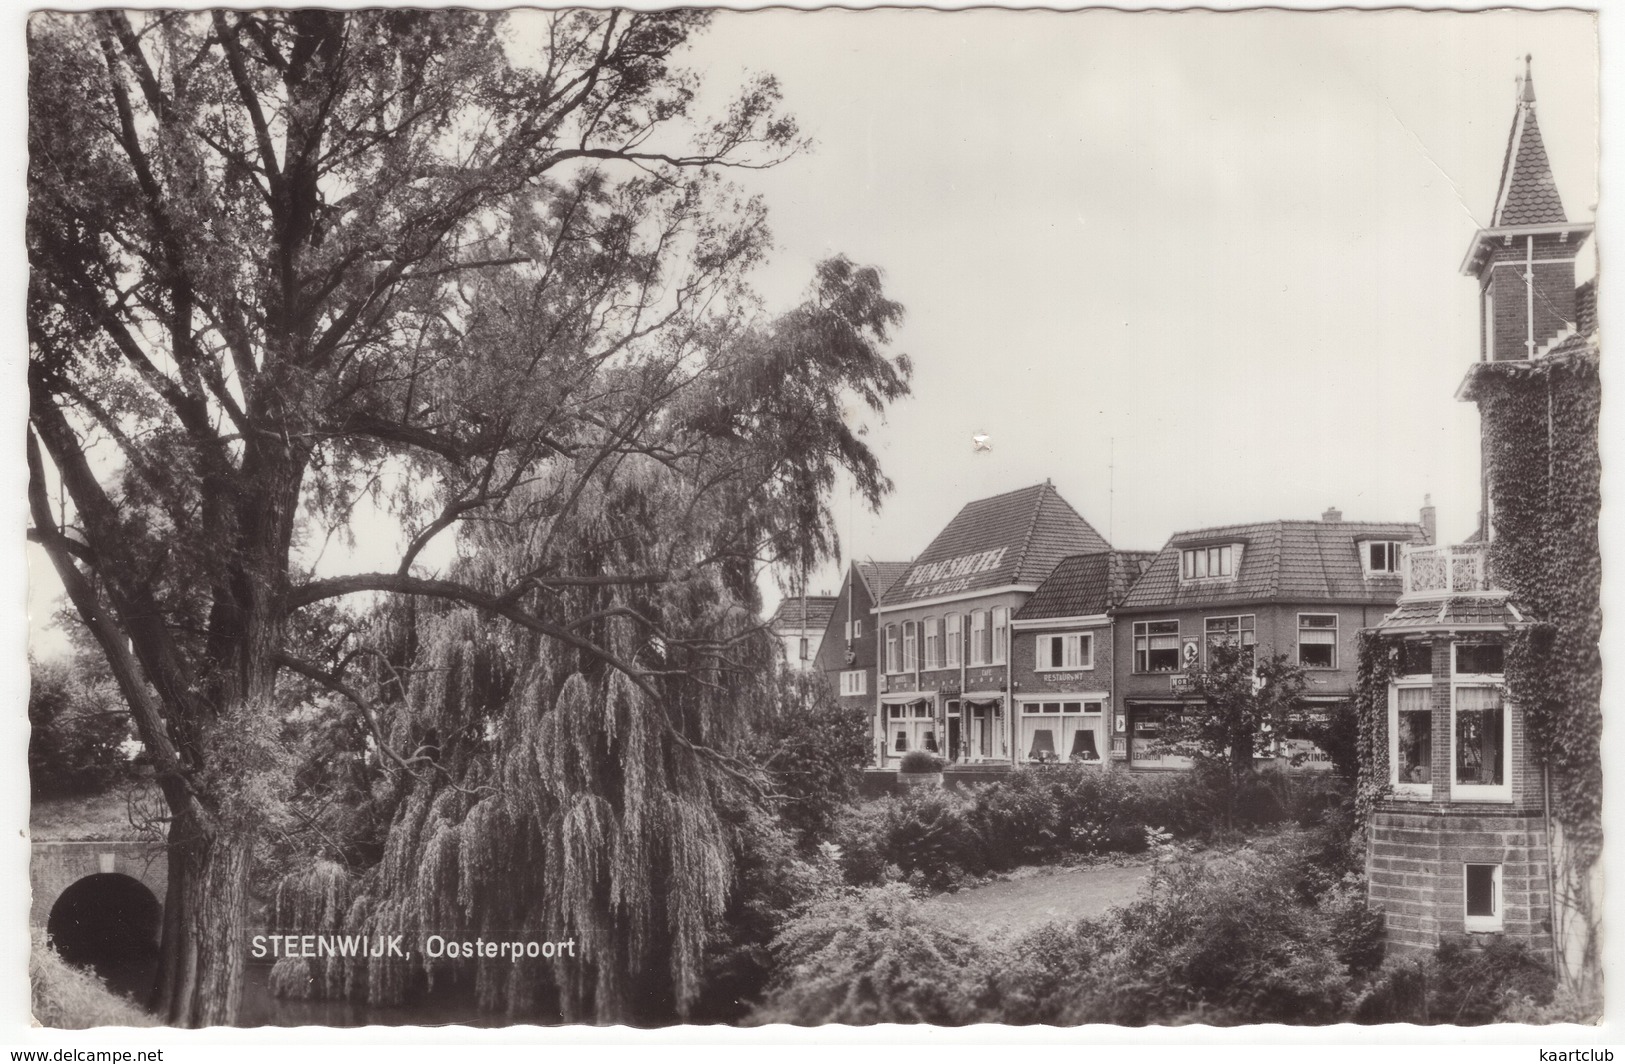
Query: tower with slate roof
(1462, 839)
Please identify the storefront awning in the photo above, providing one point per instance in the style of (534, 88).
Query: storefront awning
(907, 698)
(982, 698)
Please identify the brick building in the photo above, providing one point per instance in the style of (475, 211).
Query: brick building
(1300, 588)
(1459, 841)
(944, 626)
(847, 653)
(1061, 657)
(799, 623)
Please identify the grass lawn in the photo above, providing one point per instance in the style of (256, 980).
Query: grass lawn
(94, 816)
(1037, 896)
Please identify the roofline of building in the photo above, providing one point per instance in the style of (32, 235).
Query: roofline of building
(1079, 620)
(1268, 600)
(1469, 260)
(957, 596)
(1283, 522)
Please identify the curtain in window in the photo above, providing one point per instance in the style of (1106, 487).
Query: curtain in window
(1415, 735)
(1479, 732)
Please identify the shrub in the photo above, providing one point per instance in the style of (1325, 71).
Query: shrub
(67, 997)
(1045, 967)
(874, 956)
(930, 839)
(1225, 942)
(76, 732)
(815, 750)
(920, 761)
(1461, 984)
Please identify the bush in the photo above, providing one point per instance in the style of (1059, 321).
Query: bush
(1460, 984)
(67, 997)
(920, 761)
(931, 841)
(874, 956)
(815, 750)
(1226, 942)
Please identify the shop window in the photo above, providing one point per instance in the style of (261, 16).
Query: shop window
(1156, 646)
(1483, 897)
(1062, 730)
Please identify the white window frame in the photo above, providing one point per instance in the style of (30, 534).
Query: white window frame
(978, 625)
(1210, 561)
(894, 650)
(1033, 707)
(1391, 547)
(1482, 792)
(933, 642)
(855, 682)
(1142, 630)
(1000, 621)
(1079, 647)
(954, 640)
(1242, 633)
(1403, 789)
(1496, 920)
(857, 629)
(911, 646)
(1336, 630)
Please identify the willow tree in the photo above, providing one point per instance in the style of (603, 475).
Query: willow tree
(288, 267)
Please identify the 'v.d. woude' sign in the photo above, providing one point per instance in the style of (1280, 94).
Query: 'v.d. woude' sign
(950, 574)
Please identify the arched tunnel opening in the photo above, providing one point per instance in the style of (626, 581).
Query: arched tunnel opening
(109, 923)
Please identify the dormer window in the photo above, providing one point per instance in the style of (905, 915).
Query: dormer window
(1380, 556)
(1210, 563)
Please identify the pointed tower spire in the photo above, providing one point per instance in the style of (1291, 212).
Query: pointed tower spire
(1524, 258)
(1528, 193)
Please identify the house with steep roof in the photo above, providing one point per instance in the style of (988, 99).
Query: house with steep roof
(847, 653)
(1061, 657)
(944, 627)
(799, 624)
(1464, 839)
(1300, 588)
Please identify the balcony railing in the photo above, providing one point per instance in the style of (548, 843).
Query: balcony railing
(1441, 570)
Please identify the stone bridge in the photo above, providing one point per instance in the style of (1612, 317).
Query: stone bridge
(96, 895)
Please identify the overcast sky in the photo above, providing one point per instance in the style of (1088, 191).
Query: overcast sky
(1197, 268)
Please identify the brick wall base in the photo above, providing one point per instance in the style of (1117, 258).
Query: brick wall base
(1415, 873)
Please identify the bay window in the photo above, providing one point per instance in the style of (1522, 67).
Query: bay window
(1478, 740)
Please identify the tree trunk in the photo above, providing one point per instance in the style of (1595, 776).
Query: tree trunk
(200, 974)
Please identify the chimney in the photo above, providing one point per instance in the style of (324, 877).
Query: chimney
(1430, 523)
(1332, 514)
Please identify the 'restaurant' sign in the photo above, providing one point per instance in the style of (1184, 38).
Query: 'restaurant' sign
(950, 574)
